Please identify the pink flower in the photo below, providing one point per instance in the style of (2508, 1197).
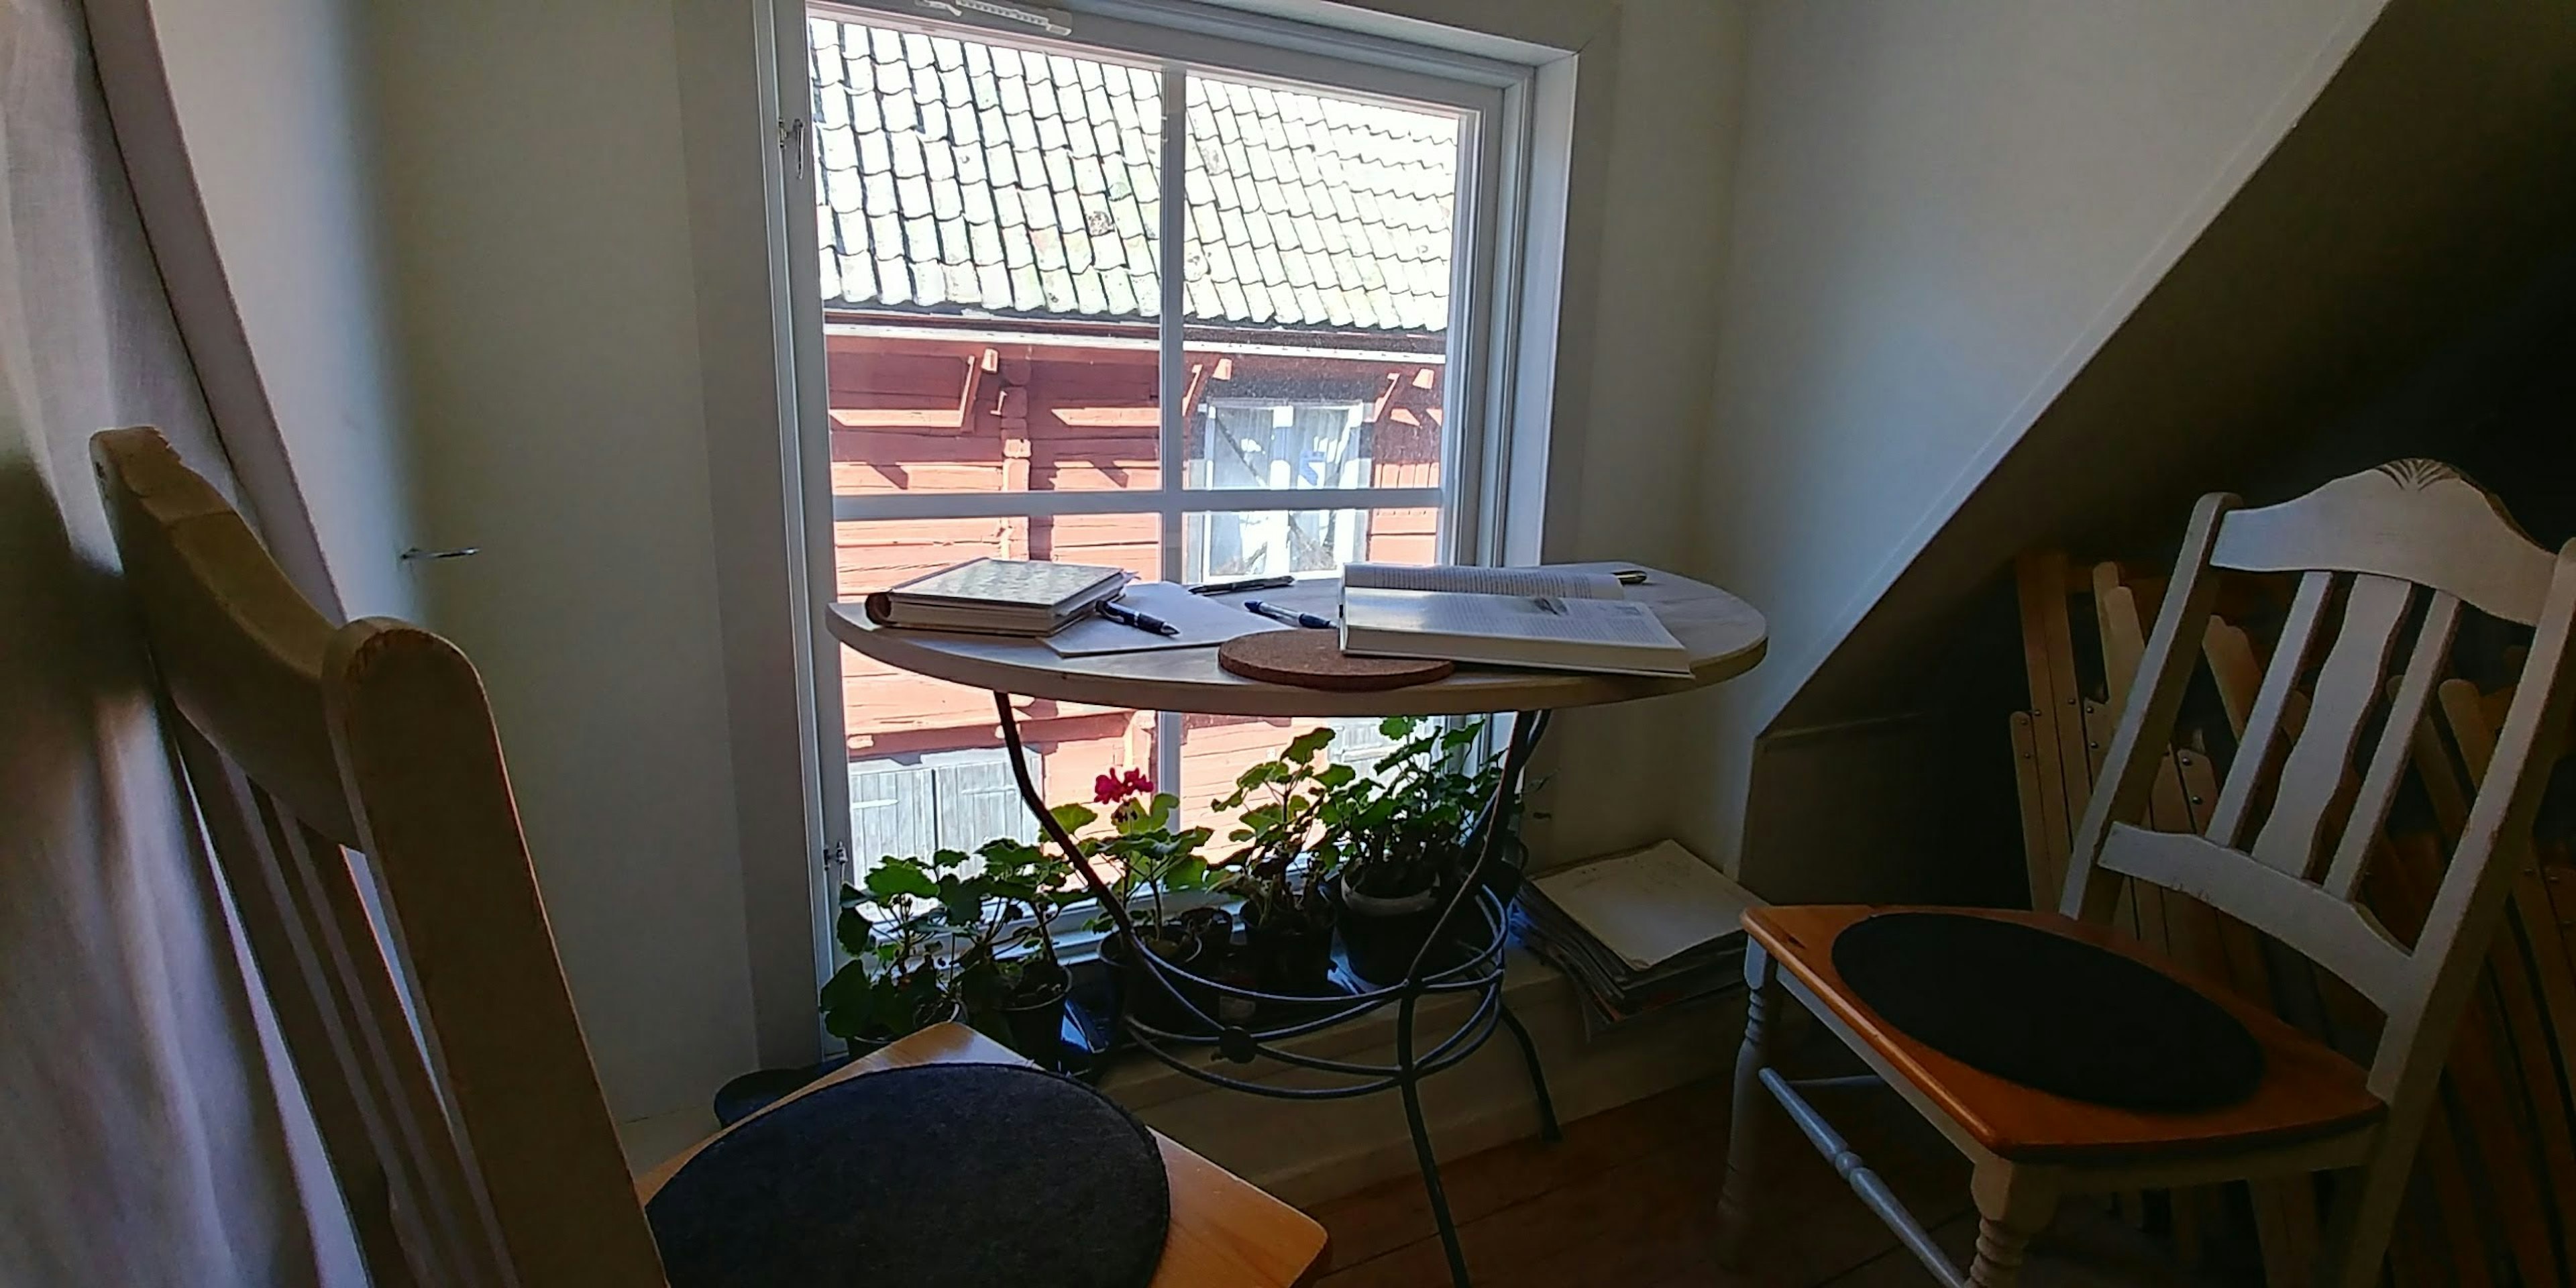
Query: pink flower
(1112, 788)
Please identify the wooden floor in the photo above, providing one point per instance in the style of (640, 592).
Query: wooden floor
(1629, 1198)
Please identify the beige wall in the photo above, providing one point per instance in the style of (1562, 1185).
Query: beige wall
(276, 131)
(1939, 213)
(536, 202)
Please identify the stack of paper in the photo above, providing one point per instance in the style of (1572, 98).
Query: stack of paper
(1639, 931)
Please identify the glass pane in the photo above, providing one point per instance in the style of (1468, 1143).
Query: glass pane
(1215, 750)
(1227, 544)
(925, 757)
(988, 219)
(1317, 263)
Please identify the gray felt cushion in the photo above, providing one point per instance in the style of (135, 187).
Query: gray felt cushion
(952, 1174)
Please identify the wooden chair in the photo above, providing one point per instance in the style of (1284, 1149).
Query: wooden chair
(2408, 544)
(466, 1131)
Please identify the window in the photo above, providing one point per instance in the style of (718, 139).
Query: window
(1197, 305)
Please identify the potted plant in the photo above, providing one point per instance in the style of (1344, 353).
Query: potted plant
(1153, 858)
(1288, 909)
(1402, 840)
(895, 927)
(1008, 977)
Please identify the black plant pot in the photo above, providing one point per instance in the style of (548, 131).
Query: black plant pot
(1291, 954)
(862, 1047)
(1381, 935)
(1145, 998)
(1034, 1016)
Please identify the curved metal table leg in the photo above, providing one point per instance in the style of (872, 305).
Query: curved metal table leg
(1547, 1125)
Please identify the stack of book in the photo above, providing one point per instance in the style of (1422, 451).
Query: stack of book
(1639, 932)
(999, 597)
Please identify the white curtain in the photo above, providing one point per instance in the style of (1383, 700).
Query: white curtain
(149, 1134)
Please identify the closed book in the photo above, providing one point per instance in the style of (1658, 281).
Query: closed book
(997, 597)
(1530, 618)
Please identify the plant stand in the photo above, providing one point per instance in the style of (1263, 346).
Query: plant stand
(1725, 636)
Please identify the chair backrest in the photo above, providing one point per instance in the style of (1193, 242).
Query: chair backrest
(454, 1097)
(2401, 552)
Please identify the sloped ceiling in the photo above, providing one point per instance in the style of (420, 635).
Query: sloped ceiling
(2427, 182)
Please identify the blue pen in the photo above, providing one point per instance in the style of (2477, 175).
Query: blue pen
(1308, 620)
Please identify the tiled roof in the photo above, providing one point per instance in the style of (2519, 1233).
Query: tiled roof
(964, 178)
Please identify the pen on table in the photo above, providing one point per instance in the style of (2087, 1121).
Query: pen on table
(1141, 621)
(1276, 614)
(1238, 587)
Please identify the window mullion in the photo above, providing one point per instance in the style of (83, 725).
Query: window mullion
(1171, 276)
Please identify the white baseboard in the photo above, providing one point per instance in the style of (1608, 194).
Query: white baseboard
(1310, 1151)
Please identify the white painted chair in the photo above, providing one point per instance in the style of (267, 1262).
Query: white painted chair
(2407, 546)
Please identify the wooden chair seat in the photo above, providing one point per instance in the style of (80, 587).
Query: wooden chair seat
(2308, 1091)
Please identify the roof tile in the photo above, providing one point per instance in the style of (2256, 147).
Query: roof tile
(961, 175)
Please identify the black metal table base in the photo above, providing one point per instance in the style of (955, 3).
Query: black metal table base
(1486, 890)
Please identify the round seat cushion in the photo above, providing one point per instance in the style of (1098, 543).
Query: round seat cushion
(2048, 1011)
(963, 1174)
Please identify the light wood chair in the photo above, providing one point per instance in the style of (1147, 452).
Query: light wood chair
(2409, 545)
(461, 1117)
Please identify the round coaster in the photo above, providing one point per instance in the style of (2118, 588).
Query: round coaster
(2048, 1011)
(967, 1174)
(1313, 659)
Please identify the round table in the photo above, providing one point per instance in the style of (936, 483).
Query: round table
(1725, 636)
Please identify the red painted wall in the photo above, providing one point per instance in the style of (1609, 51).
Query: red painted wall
(925, 411)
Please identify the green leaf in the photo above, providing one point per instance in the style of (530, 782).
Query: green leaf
(1303, 747)
(1395, 726)
(893, 877)
(1073, 818)
(1337, 776)
(854, 932)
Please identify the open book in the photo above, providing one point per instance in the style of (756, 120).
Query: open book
(1542, 618)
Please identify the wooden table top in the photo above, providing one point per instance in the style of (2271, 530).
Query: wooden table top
(1724, 634)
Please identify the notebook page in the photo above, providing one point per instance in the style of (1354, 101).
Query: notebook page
(1485, 581)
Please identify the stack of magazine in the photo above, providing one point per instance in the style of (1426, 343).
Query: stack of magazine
(1639, 932)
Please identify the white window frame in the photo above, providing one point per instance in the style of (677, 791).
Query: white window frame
(1501, 345)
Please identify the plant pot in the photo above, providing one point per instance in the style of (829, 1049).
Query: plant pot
(1291, 954)
(1144, 998)
(861, 1047)
(1382, 934)
(1033, 1016)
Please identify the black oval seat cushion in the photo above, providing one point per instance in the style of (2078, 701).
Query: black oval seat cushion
(963, 1174)
(2048, 1011)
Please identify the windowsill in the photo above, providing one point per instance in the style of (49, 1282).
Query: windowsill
(1140, 1081)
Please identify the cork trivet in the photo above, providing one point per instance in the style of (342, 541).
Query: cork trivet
(1313, 659)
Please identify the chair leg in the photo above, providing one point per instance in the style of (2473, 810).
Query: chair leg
(2014, 1205)
(2365, 1211)
(1754, 1111)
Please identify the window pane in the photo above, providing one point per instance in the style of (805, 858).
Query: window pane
(1264, 543)
(926, 763)
(1317, 283)
(1215, 750)
(989, 220)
